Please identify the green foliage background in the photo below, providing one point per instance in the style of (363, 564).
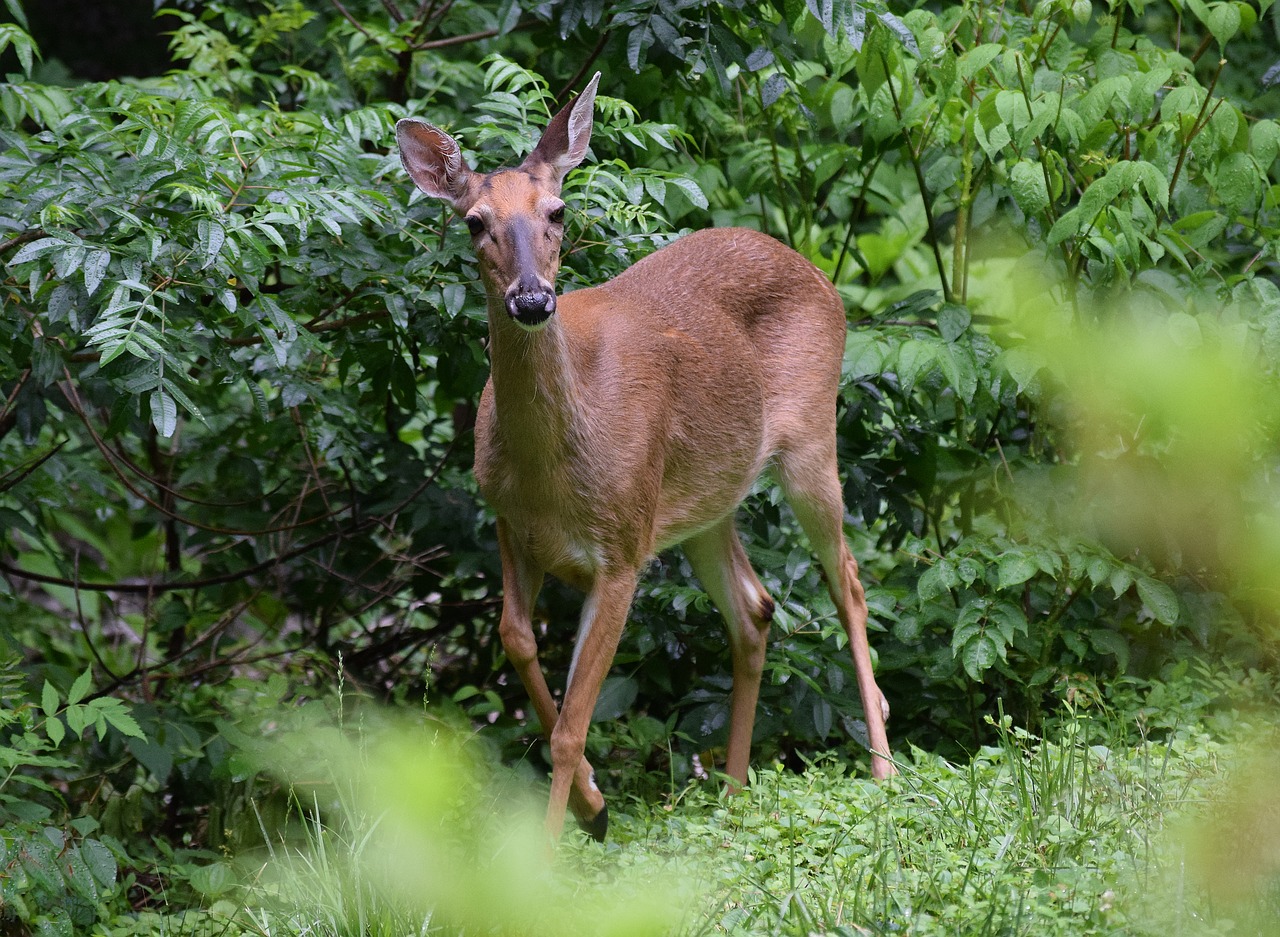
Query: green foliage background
(239, 361)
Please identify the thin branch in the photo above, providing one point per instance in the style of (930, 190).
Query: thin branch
(393, 11)
(7, 480)
(428, 17)
(145, 588)
(1201, 121)
(22, 238)
(470, 37)
(68, 391)
(573, 82)
(352, 20)
(225, 578)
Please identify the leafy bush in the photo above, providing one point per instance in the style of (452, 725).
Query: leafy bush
(55, 877)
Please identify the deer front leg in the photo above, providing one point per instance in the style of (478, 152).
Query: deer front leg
(603, 617)
(521, 581)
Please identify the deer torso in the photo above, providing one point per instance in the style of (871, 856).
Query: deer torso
(646, 409)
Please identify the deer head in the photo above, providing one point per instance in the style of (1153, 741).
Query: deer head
(515, 216)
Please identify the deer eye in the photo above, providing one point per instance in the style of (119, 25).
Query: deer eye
(556, 215)
(475, 224)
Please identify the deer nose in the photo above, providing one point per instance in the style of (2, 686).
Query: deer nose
(530, 303)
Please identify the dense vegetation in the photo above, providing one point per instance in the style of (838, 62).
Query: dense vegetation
(239, 360)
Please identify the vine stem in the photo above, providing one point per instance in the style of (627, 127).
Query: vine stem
(924, 189)
(1202, 121)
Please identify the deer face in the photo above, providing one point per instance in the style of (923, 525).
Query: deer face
(517, 223)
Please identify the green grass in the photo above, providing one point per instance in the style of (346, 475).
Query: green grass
(1096, 831)
(1026, 838)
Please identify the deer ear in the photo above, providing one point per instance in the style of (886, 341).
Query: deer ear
(564, 142)
(432, 159)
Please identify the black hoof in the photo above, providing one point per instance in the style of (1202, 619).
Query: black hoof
(598, 826)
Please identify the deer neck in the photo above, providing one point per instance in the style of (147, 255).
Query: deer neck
(542, 412)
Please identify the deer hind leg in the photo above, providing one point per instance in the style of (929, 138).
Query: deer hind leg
(520, 586)
(721, 565)
(812, 488)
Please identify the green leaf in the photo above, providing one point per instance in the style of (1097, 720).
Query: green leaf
(978, 655)
(49, 699)
(1026, 181)
(616, 697)
(1106, 641)
(99, 861)
(914, 358)
(692, 191)
(1159, 599)
(35, 250)
(1238, 182)
(978, 58)
(1223, 21)
(1184, 101)
(17, 12)
(969, 623)
(656, 188)
(212, 880)
(970, 569)
(937, 580)
(864, 355)
(114, 713)
(1008, 620)
(960, 369)
(1067, 225)
(1121, 580)
(1153, 182)
(1264, 142)
(1015, 569)
(79, 717)
(56, 731)
(953, 321)
(822, 716)
(212, 236)
(80, 689)
(164, 412)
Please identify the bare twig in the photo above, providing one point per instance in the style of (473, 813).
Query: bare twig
(352, 20)
(22, 238)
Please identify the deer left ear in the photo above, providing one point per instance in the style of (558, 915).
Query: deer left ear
(564, 142)
(433, 159)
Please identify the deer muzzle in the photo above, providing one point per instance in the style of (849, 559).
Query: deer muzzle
(531, 302)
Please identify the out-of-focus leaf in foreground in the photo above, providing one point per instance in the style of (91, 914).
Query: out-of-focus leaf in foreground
(417, 818)
(1172, 404)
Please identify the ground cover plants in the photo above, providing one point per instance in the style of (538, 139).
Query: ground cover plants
(1090, 834)
(238, 369)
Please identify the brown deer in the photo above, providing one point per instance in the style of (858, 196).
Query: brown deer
(633, 416)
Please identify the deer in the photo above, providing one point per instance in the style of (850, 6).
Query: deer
(622, 419)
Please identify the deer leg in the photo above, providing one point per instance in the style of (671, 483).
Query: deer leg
(812, 489)
(520, 584)
(603, 617)
(721, 565)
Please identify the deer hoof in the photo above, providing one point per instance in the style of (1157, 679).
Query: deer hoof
(598, 826)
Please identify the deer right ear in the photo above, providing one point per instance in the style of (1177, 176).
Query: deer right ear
(564, 142)
(432, 159)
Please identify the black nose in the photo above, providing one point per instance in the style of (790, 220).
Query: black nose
(531, 307)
